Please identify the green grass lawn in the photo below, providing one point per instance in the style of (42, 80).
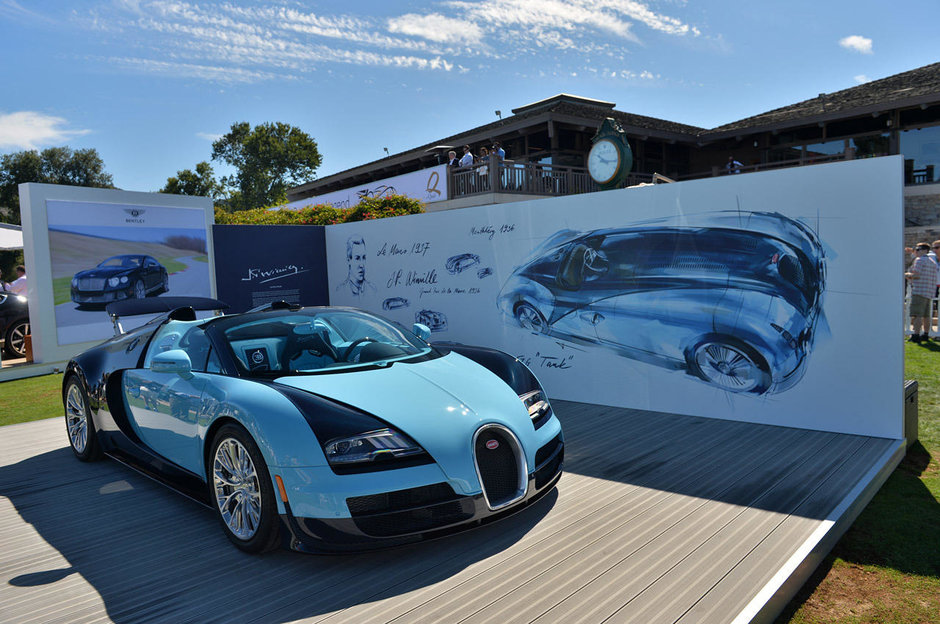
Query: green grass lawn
(886, 569)
(29, 399)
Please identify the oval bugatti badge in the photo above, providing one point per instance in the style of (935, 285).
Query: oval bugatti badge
(492, 445)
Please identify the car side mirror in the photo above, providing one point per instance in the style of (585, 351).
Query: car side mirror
(422, 331)
(172, 361)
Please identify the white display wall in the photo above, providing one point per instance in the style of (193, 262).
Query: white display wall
(69, 231)
(674, 286)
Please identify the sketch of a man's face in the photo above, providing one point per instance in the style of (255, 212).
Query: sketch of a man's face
(357, 261)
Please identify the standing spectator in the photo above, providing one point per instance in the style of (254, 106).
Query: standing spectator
(733, 166)
(467, 159)
(498, 151)
(452, 160)
(18, 286)
(932, 254)
(923, 276)
(484, 169)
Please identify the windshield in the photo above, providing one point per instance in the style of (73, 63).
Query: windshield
(121, 261)
(313, 340)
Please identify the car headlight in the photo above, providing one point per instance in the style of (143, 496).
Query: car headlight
(123, 279)
(370, 447)
(113, 281)
(536, 403)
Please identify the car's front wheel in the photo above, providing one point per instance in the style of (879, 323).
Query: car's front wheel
(241, 491)
(530, 318)
(731, 365)
(139, 290)
(78, 423)
(15, 340)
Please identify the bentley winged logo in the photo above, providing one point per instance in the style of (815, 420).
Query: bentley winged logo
(134, 212)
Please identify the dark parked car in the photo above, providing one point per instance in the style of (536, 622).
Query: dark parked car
(732, 298)
(130, 276)
(14, 324)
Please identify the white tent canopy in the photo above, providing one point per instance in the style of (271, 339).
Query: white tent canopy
(11, 236)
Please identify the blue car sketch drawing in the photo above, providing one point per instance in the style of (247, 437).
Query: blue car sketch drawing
(435, 321)
(461, 262)
(732, 298)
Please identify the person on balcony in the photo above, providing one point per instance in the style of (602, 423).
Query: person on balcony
(452, 160)
(733, 166)
(467, 159)
(498, 151)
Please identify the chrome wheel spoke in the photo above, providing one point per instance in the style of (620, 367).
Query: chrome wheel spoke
(75, 420)
(237, 491)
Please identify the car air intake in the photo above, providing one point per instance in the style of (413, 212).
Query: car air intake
(91, 283)
(500, 466)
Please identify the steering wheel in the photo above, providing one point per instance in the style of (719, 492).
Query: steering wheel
(355, 343)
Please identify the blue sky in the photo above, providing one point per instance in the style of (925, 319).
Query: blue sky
(150, 83)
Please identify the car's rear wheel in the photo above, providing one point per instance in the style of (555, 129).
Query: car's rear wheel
(15, 340)
(241, 490)
(78, 423)
(530, 318)
(139, 290)
(165, 287)
(730, 364)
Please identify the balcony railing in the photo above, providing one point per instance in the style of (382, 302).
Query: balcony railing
(549, 180)
(527, 179)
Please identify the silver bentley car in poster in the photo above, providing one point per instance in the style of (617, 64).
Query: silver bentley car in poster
(732, 297)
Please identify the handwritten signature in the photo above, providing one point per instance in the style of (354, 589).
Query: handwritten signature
(269, 275)
(547, 361)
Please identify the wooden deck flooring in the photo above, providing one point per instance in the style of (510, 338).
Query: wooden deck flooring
(659, 518)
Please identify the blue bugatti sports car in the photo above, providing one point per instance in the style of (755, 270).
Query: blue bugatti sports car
(732, 298)
(322, 429)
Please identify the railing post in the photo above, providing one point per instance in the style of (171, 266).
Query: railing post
(493, 173)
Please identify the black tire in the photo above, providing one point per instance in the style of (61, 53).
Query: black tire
(79, 425)
(165, 287)
(140, 291)
(730, 364)
(14, 341)
(250, 533)
(530, 318)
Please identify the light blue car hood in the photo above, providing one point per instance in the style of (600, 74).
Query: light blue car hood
(439, 403)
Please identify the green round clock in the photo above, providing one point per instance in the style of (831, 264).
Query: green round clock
(603, 161)
(610, 158)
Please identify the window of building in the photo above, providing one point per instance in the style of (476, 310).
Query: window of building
(921, 149)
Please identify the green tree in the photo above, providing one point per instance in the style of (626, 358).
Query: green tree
(267, 159)
(199, 183)
(54, 165)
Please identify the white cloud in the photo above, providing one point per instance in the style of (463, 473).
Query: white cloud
(31, 130)
(436, 27)
(856, 43)
(226, 42)
(862, 78)
(208, 136)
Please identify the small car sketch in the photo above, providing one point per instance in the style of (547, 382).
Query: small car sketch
(129, 276)
(394, 303)
(484, 272)
(732, 298)
(459, 263)
(436, 321)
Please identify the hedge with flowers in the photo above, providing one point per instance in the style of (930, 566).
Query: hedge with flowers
(367, 209)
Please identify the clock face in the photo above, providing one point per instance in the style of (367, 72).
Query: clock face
(603, 161)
